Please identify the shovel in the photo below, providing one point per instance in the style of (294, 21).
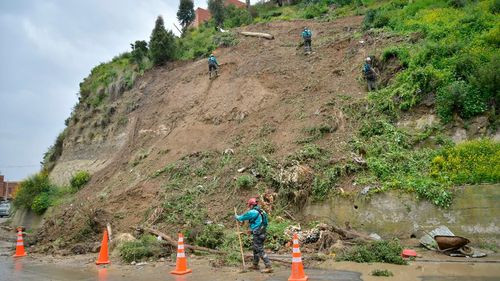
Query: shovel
(244, 269)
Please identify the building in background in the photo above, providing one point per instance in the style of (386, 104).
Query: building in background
(7, 188)
(203, 15)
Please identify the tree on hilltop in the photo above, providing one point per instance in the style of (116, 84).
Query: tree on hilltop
(217, 10)
(185, 14)
(139, 51)
(161, 43)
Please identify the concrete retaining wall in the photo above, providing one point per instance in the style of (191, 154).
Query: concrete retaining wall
(475, 213)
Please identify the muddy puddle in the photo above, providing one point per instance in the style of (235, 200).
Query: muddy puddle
(28, 269)
(425, 271)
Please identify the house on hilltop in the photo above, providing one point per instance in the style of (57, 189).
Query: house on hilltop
(7, 188)
(203, 15)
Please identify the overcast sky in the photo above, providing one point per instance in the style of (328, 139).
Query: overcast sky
(47, 48)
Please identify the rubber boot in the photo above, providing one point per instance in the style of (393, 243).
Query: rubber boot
(268, 269)
(254, 267)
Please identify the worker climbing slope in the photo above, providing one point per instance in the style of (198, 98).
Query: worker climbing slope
(307, 36)
(370, 75)
(258, 220)
(213, 66)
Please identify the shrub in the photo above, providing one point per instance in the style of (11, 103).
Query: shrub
(382, 272)
(375, 18)
(245, 181)
(309, 151)
(141, 249)
(236, 17)
(400, 53)
(211, 237)
(379, 251)
(79, 180)
(231, 248)
(495, 6)
(41, 203)
(457, 3)
(314, 11)
(197, 43)
(459, 97)
(324, 184)
(225, 39)
(276, 237)
(471, 162)
(486, 80)
(30, 189)
(54, 152)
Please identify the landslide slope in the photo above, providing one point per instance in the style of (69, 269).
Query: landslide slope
(269, 96)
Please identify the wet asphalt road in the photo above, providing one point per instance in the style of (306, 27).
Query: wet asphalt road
(26, 270)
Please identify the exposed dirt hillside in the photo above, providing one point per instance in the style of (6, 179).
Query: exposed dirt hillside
(267, 91)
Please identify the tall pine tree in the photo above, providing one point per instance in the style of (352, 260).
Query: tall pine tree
(161, 43)
(217, 10)
(185, 14)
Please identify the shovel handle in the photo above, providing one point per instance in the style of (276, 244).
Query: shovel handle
(239, 238)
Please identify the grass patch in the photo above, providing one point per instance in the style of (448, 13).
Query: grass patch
(80, 179)
(145, 247)
(276, 237)
(245, 181)
(382, 272)
(379, 251)
(211, 237)
(38, 193)
(316, 133)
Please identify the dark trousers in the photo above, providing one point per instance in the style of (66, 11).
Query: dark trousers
(307, 44)
(372, 85)
(259, 237)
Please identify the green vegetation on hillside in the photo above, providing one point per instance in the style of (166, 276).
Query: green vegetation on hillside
(79, 180)
(394, 161)
(38, 192)
(141, 249)
(449, 59)
(454, 57)
(379, 251)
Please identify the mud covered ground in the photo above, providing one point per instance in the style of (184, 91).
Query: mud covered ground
(265, 86)
(429, 267)
(83, 268)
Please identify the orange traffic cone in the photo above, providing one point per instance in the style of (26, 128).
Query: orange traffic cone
(297, 267)
(20, 245)
(103, 253)
(181, 264)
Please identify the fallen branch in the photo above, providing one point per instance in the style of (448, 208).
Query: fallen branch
(258, 34)
(173, 242)
(289, 215)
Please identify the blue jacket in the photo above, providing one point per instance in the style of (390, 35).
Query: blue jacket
(253, 217)
(212, 60)
(307, 34)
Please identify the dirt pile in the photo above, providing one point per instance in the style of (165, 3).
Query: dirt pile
(267, 89)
